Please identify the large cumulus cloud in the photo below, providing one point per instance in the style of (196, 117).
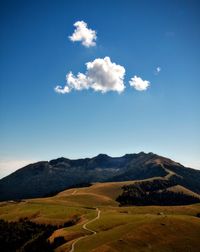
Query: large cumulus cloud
(101, 75)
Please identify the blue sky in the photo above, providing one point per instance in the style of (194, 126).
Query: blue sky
(36, 54)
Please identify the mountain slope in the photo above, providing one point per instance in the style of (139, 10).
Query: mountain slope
(44, 178)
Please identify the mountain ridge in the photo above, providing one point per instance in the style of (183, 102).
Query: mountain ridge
(46, 177)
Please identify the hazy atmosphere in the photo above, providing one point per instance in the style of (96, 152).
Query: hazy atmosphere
(79, 78)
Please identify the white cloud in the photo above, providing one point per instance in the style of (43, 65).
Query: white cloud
(139, 84)
(102, 75)
(157, 71)
(60, 90)
(84, 34)
(80, 82)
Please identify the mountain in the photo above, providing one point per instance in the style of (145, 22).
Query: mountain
(45, 178)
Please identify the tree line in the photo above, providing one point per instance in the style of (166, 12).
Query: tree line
(27, 236)
(154, 192)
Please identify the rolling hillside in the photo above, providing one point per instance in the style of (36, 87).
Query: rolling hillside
(133, 228)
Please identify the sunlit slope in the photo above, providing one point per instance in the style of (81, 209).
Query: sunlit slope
(43, 211)
(68, 203)
(65, 205)
(99, 194)
(181, 189)
(124, 232)
(138, 229)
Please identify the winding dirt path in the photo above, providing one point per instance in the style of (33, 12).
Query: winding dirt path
(88, 229)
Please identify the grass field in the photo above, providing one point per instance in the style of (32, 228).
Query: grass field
(119, 229)
(42, 212)
(128, 232)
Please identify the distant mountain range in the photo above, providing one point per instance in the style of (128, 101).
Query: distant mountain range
(46, 178)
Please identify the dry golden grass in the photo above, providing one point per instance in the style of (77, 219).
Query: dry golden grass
(137, 232)
(181, 189)
(109, 189)
(119, 229)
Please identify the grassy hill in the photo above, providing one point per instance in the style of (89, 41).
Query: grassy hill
(134, 228)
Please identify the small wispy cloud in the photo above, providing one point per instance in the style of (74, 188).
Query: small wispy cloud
(139, 84)
(101, 75)
(157, 70)
(62, 90)
(82, 33)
